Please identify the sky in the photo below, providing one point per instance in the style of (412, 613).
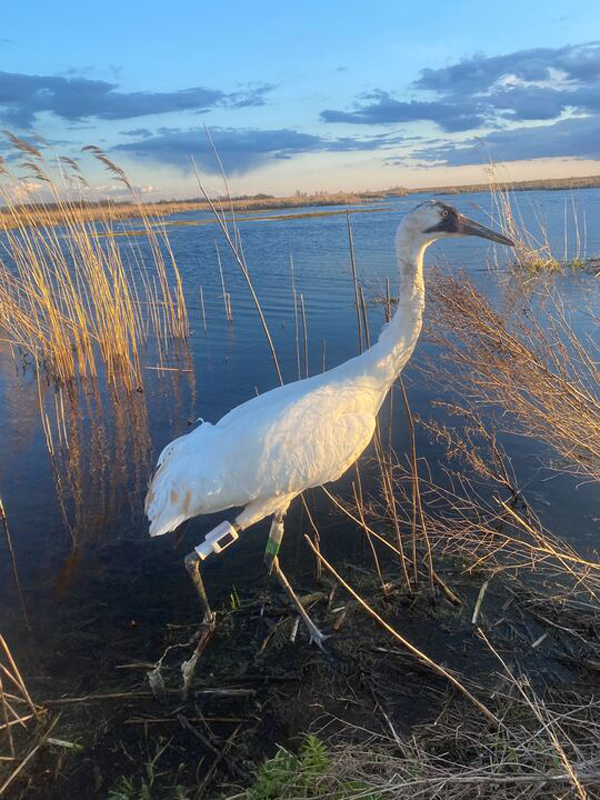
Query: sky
(314, 96)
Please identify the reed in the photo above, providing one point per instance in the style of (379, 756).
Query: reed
(18, 716)
(533, 251)
(535, 365)
(81, 298)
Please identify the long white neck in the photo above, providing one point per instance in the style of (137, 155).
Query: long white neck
(385, 359)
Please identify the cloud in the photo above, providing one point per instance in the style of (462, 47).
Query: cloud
(240, 150)
(75, 98)
(252, 95)
(569, 138)
(386, 110)
(490, 91)
(145, 133)
(479, 73)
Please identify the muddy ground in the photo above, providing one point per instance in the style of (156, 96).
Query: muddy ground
(256, 686)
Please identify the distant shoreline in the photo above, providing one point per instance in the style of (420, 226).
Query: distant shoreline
(544, 184)
(52, 215)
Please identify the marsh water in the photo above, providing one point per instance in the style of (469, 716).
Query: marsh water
(89, 572)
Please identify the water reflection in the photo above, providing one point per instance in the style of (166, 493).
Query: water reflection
(98, 449)
(101, 442)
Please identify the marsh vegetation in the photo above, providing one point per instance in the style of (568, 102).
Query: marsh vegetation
(464, 588)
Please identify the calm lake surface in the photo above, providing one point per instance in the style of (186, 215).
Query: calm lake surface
(84, 557)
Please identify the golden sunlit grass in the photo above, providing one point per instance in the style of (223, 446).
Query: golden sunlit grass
(533, 252)
(50, 214)
(78, 297)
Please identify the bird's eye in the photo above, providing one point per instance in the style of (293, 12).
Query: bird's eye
(444, 213)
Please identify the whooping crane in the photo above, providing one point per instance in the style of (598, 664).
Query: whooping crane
(264, 453)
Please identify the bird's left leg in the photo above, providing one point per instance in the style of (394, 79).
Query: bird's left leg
(272, 563)
(215, 541)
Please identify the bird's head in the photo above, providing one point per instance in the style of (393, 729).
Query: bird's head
(436, 220)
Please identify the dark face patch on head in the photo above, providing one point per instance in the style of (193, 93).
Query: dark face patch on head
(448, 220)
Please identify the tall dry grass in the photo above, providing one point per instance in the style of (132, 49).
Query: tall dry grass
(527, 359)
(533, 251)
(82, 297)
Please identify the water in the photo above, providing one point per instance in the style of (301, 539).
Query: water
(84, 558)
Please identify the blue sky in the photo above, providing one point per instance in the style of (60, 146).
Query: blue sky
(314, 96)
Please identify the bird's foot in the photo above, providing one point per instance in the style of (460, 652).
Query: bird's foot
(203, 636)
(317, 637)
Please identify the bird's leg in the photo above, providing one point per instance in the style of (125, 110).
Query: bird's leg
(274, 542)
(272, 564)
(214, 542)
(316, 637)
(192, 564)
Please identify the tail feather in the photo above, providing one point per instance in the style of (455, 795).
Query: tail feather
(165, 503)
(177, 483)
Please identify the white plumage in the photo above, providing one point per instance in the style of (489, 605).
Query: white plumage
(265, 452)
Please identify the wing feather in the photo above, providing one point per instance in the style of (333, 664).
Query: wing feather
(291, 441)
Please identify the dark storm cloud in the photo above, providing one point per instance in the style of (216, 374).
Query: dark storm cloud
(23, 97)
(240, 149)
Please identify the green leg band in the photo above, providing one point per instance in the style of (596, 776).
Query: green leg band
(274, 543)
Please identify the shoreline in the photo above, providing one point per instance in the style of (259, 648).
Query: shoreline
(51, 215)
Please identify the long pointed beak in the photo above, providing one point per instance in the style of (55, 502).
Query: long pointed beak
(468, 227)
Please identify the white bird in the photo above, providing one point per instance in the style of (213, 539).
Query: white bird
(264, 453)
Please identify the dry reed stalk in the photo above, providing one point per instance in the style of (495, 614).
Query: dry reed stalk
(225, 295)
(296, 319)
(234, 241)
(546, 724)
(9, 703)
(13, 563)
(533, 251)
(69, 295)
(7, 724)
(535, 366)
(417, 505)
(316, 536)
(202, 309)
(358, 500)
(13, 674)
(355, 283)
(365, 322)
(468, 517)
(304, 336)
(40, 743)
(455, 758)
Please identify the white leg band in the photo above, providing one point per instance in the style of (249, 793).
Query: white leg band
(217, 540)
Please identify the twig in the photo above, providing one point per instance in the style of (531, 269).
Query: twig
(91, 698)
(480, 597)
